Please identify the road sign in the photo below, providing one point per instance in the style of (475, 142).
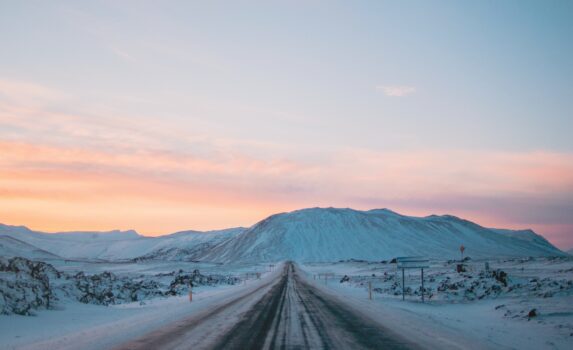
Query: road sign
(412, 262)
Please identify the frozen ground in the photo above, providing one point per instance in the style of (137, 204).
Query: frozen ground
(27, 286)
(74, 325)
(473, 309)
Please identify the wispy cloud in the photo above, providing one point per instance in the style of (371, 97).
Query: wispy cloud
(122, 54)
(395, 90)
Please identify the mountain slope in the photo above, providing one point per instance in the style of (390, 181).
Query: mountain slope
(12, 247)
(333, 234)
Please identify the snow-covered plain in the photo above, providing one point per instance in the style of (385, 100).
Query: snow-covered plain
(472, 309)
(75, 325)
(27, 286)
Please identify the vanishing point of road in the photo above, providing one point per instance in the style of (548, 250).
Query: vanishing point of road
(284, 313)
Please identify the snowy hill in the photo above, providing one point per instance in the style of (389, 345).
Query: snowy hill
(525, 235)
(335, 234)
(12, 247)
(187, 245)
(119, 245)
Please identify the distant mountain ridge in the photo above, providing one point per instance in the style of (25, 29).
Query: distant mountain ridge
(312, 235)
(117, 245)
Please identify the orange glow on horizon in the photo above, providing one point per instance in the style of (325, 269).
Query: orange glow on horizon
(54, 188)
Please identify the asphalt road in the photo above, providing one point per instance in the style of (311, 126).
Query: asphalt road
(285, 313)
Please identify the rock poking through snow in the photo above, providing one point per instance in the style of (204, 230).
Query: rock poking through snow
(27, 285)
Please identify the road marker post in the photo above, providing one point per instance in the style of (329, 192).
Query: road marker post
(190, 292)
(370, 290)
(403, 286)
(422, 284)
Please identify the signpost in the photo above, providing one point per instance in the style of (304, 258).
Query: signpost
(412, 262)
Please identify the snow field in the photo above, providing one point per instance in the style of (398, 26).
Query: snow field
(448, 320)
(75, 325)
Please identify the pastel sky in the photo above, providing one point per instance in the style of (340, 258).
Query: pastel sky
(173, 115)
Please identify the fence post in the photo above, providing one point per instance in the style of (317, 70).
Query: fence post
(370, 290)
(422, 285)
(403, 286)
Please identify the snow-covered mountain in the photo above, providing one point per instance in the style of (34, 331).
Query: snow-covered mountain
(118, 245)
(316, 234)
(331, 234)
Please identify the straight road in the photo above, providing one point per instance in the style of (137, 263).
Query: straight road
(286, 313)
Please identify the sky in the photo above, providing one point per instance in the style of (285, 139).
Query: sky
(174, 115)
